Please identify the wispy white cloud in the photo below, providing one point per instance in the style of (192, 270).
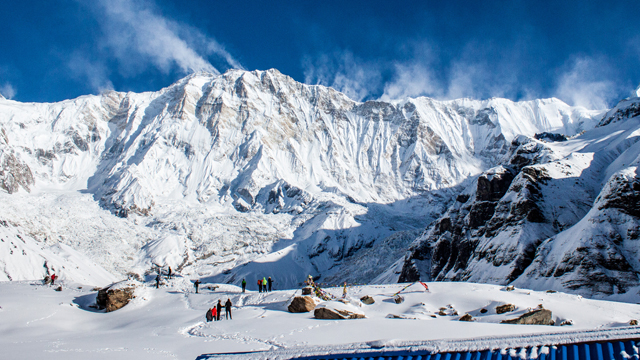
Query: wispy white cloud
(7, 90)
(411, 80)
(135, 31)
(343, 72)
(585, 83)
(94, 73)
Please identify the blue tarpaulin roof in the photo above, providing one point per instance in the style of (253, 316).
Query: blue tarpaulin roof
(618, 350)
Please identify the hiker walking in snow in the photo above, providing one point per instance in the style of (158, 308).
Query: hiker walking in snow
(344, 291)
(209, 315)
(259, 285)
(270, 282)
(219, 306)
(227, 309)
(244, 285)
(264, 284)
(53, 279)
(169, 273)
(214, 313)
(158, 281)
(196, 284)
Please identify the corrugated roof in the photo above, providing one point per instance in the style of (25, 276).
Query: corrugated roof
(612, 350)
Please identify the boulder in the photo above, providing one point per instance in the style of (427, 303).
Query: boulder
(505, 308)
(301, 304)
(633, 322)
(308, 290)
(398, 299)
(466, 317)
(335, 314)
(483, 311)
(536, 317)
(113, 299)
(367, 300)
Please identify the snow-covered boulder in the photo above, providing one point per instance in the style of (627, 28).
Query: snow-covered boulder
(337, 310)
(116, 296)
(536, 317)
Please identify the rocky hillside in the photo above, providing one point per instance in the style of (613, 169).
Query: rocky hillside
(560, 215)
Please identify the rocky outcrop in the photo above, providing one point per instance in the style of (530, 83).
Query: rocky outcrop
(301, 304)
(466, 317)
(505, 308)
(114, 299)
(367, 300)
(335, 314)
(536, 317)
(14, 173)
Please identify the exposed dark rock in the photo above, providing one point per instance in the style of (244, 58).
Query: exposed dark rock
(113, 299)
(633, 322)
(335, 314)
(301, 304)
(483, 311)
(466, 317)
(536, 317)
(624, 195)
(550, 136)
(368, 300)
(14, 174)
(307, 290)
(505, 308)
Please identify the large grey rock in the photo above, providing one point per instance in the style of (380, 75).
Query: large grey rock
(113, 299)
(536, 317)
(301, 304)
(335, 314)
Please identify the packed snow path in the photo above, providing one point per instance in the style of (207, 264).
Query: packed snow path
(38, 322)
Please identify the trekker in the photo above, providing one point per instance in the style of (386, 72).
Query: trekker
(219, 306)
(227, 309)
(344, 291)
(259, 285)
(169, 273)
(269, 281)
(158, 281)
(214, 313)
(264, 284)
(53, 279)
(209, 315)
(196, 284)
(244, 285)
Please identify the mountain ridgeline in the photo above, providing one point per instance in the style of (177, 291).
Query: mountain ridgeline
(250, 173)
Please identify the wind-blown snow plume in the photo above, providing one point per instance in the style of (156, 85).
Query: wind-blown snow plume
(585, 84)
(134, 27)
(7, 90)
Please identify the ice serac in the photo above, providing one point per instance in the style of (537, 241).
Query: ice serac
(252, 172)
(552, 215)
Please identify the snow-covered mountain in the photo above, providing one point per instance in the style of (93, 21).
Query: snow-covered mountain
(250, 174)
(557, 215)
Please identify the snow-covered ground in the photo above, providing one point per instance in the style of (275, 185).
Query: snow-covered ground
(37, 322)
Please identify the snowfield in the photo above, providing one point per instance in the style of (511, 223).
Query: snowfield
(38, 322)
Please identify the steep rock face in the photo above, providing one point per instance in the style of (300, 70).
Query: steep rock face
(553, 215)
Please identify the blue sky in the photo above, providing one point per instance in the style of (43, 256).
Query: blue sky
(583, 52)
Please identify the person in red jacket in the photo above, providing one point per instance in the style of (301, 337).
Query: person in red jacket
(53, 279)
(214, 313)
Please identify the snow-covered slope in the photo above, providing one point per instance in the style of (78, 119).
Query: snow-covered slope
(250, 173)
(38, 322)
(561, 215)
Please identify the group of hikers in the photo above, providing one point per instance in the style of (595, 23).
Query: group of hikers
(215, 313)
(50, 280)
(264, 285)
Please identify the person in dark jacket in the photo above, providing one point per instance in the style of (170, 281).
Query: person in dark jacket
(227, 309)
(259, 285)
(209, 315)
(169, 273)
(269, 281)
(244, 285)
(158, 281)
(196, 284)
(219, 306)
